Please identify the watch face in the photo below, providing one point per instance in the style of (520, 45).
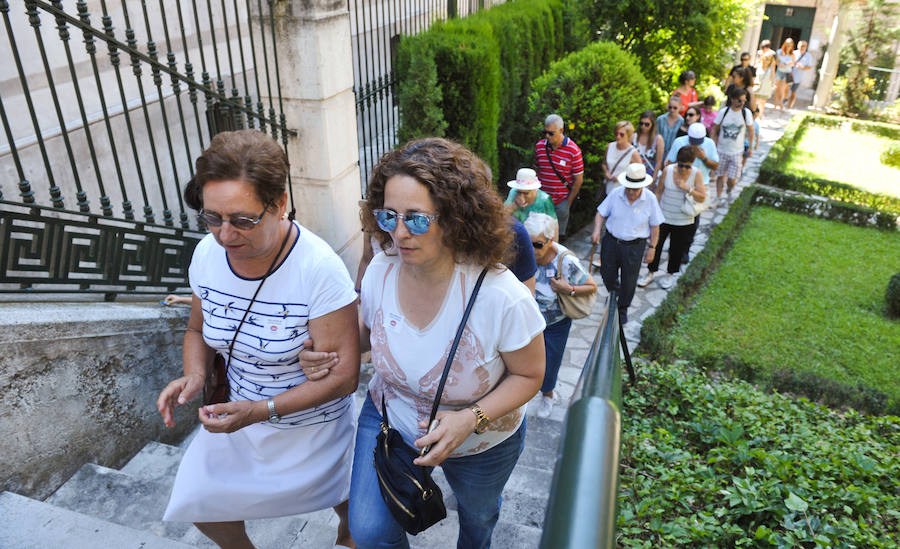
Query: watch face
(274, 419)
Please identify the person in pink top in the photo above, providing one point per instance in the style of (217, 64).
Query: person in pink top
(560, 168)
(708, 113)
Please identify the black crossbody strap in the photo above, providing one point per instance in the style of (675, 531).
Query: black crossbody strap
(256, 293)
(550, 159)
(459, 333)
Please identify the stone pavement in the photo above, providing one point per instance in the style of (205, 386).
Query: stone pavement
(647, 299)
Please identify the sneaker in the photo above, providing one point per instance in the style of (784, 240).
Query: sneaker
(646, 279)
(667, 282)
(546, 406)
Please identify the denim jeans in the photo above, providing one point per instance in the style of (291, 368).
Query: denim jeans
(477, 482)
(555, 337)
(562, 216)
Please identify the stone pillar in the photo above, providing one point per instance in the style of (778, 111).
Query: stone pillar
(832, 57)
(894, 85)
(312, 40)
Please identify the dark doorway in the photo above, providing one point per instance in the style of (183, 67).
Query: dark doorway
(780, 34)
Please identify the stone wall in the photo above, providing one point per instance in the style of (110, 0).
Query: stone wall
(78, 384)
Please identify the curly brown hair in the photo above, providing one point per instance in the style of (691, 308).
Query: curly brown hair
(470, 212)
(244, 155)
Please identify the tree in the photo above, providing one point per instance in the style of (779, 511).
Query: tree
(873, 37)
(669, 36)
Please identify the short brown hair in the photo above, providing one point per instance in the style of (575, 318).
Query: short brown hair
(244, 155)
(469, 210)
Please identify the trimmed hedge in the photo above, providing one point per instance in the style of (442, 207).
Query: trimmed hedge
(890, 156)
(592, 89)
(657, 344)
(770, 172)
(483, 67)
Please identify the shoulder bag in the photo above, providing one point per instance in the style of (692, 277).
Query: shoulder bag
(216, 389)
(574, 306)
(690, 206)
(411, 495)
(552, 165)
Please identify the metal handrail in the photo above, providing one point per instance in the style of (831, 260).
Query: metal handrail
(581, 511)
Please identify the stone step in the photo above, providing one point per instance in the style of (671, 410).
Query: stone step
(139, 503)
(32, 524)
(507, 535)
(155, 461)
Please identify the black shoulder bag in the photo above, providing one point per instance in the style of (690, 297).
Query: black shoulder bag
(552, 165)
(408, 490)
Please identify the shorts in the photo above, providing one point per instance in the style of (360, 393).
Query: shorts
(795, 86)
(729, 165)
(783, 76)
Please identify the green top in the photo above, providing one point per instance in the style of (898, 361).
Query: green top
(542, 204)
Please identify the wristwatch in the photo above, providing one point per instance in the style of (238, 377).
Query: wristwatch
(481, 419)
(273, 415)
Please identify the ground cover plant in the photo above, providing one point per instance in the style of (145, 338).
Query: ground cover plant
(720, 463)
(799, 303)
(832, 153)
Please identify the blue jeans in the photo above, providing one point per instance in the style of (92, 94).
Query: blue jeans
(477, 482)
(555, 337)
(562, 216)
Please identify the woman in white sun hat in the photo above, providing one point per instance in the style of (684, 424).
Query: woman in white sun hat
(526, 196)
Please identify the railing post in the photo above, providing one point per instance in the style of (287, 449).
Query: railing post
(312, 45)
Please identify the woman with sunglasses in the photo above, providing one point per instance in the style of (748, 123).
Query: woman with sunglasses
(784, 66)
(619, 154)
(677, 180)
(434, 200)
(649, 144)
(667, 124)
(262, 283)
(549, 283)
(690, 116)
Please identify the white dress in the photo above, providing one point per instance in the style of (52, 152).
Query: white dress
(267, 470)
(616, 164)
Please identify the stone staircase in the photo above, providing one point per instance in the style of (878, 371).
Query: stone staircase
(122, 509)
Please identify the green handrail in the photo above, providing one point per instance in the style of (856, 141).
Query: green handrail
(581, 512)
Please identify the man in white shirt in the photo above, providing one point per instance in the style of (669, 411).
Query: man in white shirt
(731, 125)
(631, 217)
(804, 62)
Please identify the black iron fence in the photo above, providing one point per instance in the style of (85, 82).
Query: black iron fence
(100, 125)
(376, 27)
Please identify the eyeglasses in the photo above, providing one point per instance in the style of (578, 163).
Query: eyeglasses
(684, 165)
(242, 223)
(416, 223)
(539, 245)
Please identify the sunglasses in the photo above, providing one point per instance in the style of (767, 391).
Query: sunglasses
(416, 223)
(684, 165)
(548, 133)
(672, 107)
(646, 124)
(539, 245)
(690, 114)
(242, 223)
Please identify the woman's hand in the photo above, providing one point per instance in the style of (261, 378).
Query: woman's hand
(560, 286)
(316, 365)
(176, 393)
(453, 430)
(648, 256)
(228, 417)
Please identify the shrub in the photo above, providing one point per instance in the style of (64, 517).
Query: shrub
(890, 156)
(892, 296)
(420, 95)
(591, 89)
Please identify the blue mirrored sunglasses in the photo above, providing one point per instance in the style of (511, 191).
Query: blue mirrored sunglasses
(416, 223)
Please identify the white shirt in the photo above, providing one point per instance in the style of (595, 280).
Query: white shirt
(732, 127)
(409, 361)
(627, 221)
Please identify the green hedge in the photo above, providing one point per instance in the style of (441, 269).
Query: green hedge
(771, 171)
(592, 89)
(469, 79)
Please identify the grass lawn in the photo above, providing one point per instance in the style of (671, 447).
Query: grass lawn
(803, 294)
(848, 157)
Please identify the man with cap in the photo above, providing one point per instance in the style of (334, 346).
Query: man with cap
(526, 196)
(631, 216)
(560, 167)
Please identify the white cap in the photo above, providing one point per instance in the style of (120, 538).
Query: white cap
(696, 133)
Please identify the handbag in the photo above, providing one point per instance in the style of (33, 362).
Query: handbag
(574, 306)
(691, 207)
(215, 388)
(411, 495)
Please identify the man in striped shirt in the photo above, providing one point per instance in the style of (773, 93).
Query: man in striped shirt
(560, 168)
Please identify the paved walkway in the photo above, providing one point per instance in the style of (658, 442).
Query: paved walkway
(647, 299)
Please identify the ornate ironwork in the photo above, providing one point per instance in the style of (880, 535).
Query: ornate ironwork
(46, 250)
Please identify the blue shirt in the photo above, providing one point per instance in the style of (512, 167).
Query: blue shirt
(627, 221)
(523, 265)
(709, 147)
(668, 134)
